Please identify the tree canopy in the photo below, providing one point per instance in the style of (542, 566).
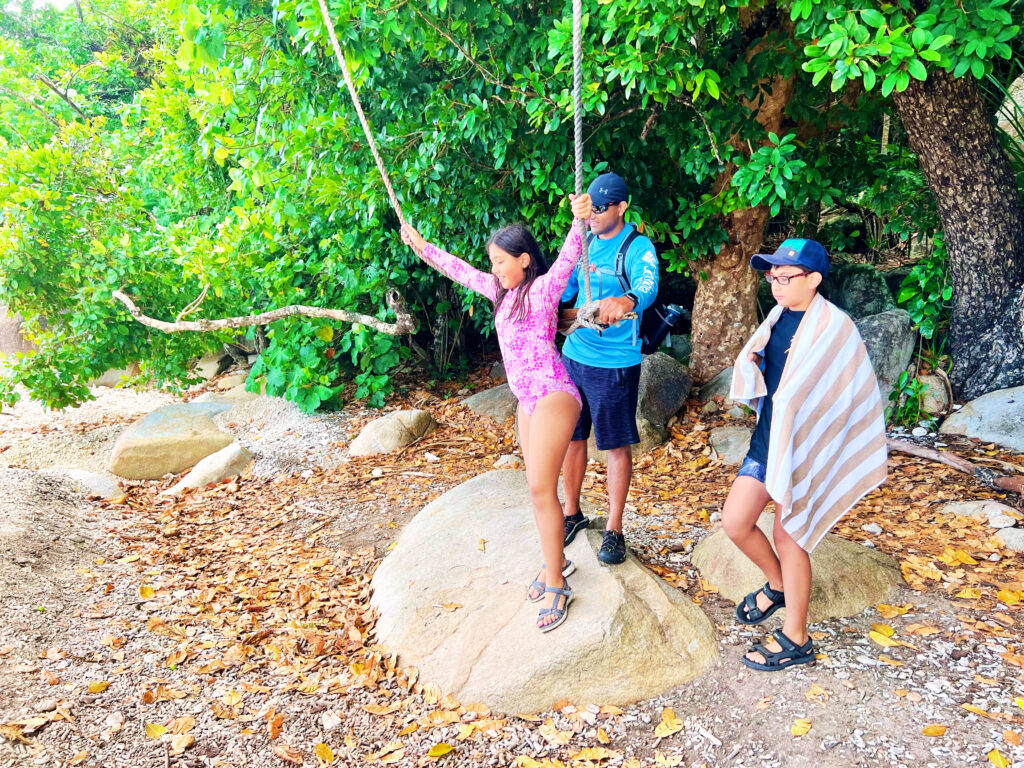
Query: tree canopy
(169, 149)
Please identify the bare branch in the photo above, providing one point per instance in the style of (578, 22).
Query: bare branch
(405, 323)
(63, 94)
(31, 104)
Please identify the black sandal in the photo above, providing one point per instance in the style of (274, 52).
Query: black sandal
(790, 654)
(747, 612)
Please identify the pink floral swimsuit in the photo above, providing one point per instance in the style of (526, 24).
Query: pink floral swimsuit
(532, 362)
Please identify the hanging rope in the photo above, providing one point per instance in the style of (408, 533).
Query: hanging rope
(577, 133)
(359, 109)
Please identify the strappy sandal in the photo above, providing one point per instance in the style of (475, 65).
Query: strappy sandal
(790, 654)
(565, 595)
(538, 586)
(748, 612)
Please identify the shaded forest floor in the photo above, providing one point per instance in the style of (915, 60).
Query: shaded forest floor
(232, 628)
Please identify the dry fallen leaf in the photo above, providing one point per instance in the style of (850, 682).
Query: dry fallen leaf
(669, 724)
(816, 692)
(883, 640)
(602, 736)
(79, 758)
(1012, 738)
(146, 591)
(440, 750)
(98, 686)
(232, 697)
(323, 753)
(933, 730)
(997, 759)
(288, 754)
(800, 726)
(180, 743)
(154, 731)
(670, 760)
(482, 545)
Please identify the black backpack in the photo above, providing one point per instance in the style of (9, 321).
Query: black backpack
(658, 319)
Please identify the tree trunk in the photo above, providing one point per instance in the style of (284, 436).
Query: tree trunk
(725, 307)
(976, 192)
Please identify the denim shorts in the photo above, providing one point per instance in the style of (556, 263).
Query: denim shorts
(609, 403)
(754, 469)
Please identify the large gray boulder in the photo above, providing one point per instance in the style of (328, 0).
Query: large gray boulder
(463, 621)
(229, 461)
(997, 417)
(388, 433)
(497, 403)
(859, 289)
(890, 339)
(846, 577)
(168, 440)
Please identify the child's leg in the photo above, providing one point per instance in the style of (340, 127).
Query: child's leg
(796, 574)
(544, 450)
(743, 506)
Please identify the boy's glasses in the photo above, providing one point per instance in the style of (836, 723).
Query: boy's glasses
(782, 279)
(602, 208)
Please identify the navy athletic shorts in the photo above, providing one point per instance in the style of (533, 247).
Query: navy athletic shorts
(609, 403)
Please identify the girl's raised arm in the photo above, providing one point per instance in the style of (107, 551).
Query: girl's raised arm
(452, 266)
(558, 275)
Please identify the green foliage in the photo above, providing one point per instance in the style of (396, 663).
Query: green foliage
(905, 402)
(890, 44)
(926, 292)
(211, 145)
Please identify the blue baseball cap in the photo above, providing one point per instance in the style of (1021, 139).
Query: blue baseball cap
(796, 252)
(608, 188)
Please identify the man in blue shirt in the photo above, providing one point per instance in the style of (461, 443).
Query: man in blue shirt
(606, 365)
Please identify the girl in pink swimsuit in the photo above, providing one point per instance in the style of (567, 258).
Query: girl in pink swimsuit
(526, 294)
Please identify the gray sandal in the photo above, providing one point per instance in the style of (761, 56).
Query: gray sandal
(560, 614)
(539, 586)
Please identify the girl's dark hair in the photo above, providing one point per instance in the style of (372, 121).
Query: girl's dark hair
(516, 240)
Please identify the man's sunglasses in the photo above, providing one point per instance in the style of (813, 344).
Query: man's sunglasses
(602, 208)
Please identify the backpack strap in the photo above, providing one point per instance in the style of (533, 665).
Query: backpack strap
(620, 260)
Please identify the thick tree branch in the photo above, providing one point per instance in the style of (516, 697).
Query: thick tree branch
(404, 323)
(983, 474)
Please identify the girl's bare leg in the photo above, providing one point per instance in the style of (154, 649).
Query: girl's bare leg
(543, 451)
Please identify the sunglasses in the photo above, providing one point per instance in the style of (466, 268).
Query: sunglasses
(602, 208)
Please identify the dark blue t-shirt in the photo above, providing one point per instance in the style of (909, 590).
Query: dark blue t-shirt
(775, 354)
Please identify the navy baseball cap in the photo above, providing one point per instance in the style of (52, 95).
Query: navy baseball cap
(796, 252)
(608, 188)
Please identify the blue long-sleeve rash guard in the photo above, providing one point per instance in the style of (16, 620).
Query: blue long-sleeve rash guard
(618, 346)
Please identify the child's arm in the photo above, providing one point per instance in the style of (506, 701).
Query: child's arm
(557, 278)
(452, 266)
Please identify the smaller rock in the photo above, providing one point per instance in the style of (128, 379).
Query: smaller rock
(998, 515)
(919, 431)
(388, 433)
(730, 443)
(873, 528)
(995, 557)
(496, 403)
(710, 407)
(868, 543)
(1012, 538)
(231, 381)
(498, 372)
(330, 721)
(229, 461)
(430, 456)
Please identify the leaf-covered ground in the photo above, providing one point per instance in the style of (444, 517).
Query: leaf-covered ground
(233, 628)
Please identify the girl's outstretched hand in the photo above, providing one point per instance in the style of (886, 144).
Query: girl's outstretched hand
(582, 208)
(412, 238)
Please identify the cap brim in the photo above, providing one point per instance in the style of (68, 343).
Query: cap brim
(762, 262)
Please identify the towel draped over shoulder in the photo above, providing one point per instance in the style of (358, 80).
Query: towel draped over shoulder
(827, 446)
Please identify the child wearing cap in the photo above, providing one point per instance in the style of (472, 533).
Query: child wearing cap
(818, 447)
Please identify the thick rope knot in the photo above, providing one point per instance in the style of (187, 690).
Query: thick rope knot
(586, 317)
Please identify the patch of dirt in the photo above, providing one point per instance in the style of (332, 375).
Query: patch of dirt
(238, 616)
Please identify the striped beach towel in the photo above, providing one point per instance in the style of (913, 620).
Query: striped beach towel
(827, 445)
